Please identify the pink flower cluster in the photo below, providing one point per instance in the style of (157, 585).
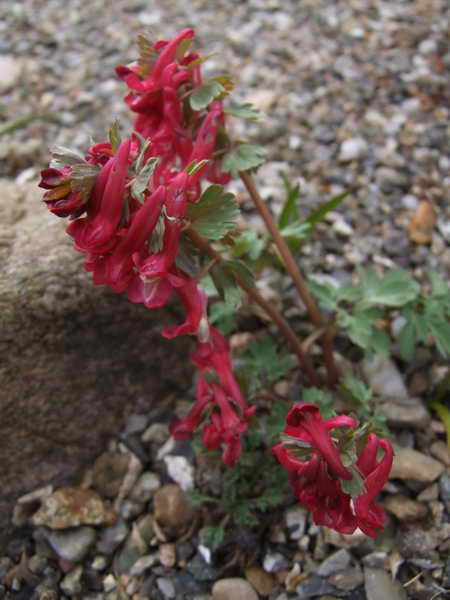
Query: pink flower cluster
(317, 476)
(131, 241)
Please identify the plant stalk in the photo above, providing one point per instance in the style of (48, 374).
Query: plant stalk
(297, 277)
(274, 315)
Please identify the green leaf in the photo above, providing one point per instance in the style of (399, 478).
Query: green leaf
(296, 230)
(196, 498)
(240, 270)
(183, 47)
(142, 178)
(221, 316)
(349, 293)
(228, 289)
(212, 536)
(380, 342)
(407, 339)
(205, 94)
(289, 211)
(325, 293)
(323, 400)
(195, 166)
(318, 215)
(355, 486)
(358, 389)
(243, 111)
(439, 287)
(215, 214)
(264, 357)
(114, 136)
(244, 158)
(395, 288)
(248, 242)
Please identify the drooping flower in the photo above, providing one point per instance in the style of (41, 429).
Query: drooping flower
(322, 482)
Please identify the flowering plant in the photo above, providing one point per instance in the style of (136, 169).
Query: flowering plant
(144, 211)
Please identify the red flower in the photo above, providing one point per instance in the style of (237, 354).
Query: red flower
(60, 198)
(96, 233)
(225, 426)
(318, 475)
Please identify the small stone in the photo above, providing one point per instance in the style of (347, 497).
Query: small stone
(380, 586)
(429, 494)
(71, 507)
(391, 178)
(166, 587)
(418, 543)
(444, 487)
(263, 99)
(167, 555)
(275, 561)
(71, 584)
(99, 563)
(341, 540)
(181, 471)
(411, 464)
(384, 378)
(130, 509)
(296, 517)
(109, 583)
(142, 564)
(353, 149)
(10, 71)
(200, 569)
(72, 545)
(157, 433)
(337, 561)
(136, 424)
(233, 588)
(347, 580)
(342, 228)
(404, 508)
(109, 471)
(376, 560)
(407, 413)
(171, 507)
(422, 224)
(111, 537)
(314, 586)
(439, 450)
(260, 580)
(27, 505)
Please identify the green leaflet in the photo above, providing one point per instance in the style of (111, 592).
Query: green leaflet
(243, 111)
(215, 214)
(243, 158)
(205, 94)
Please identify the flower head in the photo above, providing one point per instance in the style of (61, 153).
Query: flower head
(339, 496)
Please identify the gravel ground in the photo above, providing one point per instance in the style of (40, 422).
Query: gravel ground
(356, 96)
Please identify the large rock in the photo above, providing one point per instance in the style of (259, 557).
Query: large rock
(75, 357)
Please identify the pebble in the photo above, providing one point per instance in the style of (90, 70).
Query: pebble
(347, 580)
(337, 561)
(170, 506)
(166, 587)
(314, 586)
(296, 517)
(142, 564)
(71, 584)
(181, 471)
(353, 149)
(10, 71)
(404, 508)
(262, 582)
(72, 545)
(111, 537)
(275, 561)
(109, 471)
(26, 505)
(444, 487)
(409, 413)
(411, 464)
(384, 378)
(167, 555)
(71, 507)
(380, 586)
(233, 588)
(417, 543)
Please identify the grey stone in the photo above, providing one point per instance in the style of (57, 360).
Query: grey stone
(418, 543)
(274, 561)
(384, 378)
(71, 584)
(335, 562)
(72, 545)
(315, 586)
(347, 580)
(296, 517)
(111, 537)
(200, 569)
(145, 487)
(444, 487)
(408, 412)
(70, 350)
(411, 464)
(353, 149)
(10, 71)
(233, 588)
(166, 587)
(380, 586)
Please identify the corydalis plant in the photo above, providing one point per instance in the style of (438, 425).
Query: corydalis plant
(142, 212)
